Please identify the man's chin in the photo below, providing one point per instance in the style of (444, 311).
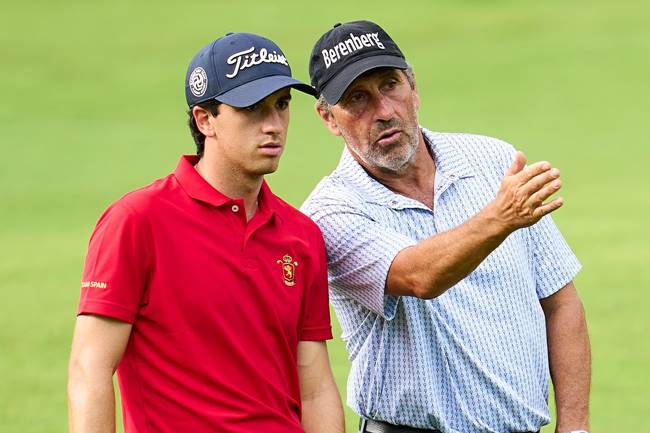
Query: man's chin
(392, 166)
(266, 169)
(391, 162)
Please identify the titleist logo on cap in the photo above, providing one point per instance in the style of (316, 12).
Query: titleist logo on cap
(247, 58)
(350, 45)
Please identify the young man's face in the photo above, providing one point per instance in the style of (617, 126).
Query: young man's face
(377, 118)
(251, 140)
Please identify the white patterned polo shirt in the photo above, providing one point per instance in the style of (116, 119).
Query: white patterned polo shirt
(473, 360)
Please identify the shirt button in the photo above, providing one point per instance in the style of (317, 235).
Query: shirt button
(235, 208)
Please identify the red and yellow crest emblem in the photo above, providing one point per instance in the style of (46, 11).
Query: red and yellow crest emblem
(288, 269)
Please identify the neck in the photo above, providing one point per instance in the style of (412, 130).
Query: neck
(230, 181)
(415, 180)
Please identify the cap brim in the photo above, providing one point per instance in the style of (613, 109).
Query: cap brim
(254, 91)
(336, 87)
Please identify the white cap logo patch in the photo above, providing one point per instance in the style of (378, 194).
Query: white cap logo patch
(198, 82)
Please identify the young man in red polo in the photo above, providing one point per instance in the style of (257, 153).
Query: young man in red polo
(206, 292)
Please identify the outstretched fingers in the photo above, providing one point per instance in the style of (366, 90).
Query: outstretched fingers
(533, 170)
(549, 207)
(543, 185)
(524, 191)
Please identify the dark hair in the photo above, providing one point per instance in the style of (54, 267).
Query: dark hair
(212, 107)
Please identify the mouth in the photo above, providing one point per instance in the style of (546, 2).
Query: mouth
(272, 148)
(389, 136)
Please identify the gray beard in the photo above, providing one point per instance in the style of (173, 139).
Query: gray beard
(388, 159)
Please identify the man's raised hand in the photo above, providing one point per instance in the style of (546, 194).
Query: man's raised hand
(520, 201)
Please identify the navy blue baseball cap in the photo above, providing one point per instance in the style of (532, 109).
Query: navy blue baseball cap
(239, 69)
(348, 50)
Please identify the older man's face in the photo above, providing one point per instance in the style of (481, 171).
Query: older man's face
(377, 118)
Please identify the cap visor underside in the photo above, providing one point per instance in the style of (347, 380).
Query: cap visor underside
(338, 85)
(254, 91)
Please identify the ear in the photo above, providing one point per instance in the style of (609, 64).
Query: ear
(202, 119)
(328, 119)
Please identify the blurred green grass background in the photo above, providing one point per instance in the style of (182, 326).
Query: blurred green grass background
(92, 106)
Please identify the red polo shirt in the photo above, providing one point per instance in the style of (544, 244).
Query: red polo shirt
(218, 305)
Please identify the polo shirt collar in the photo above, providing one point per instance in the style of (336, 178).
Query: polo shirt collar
(451, 165)
(268, 203)
(449, 158)
(194, 185)
(199, 189)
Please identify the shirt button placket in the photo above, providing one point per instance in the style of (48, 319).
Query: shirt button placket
(236, 209)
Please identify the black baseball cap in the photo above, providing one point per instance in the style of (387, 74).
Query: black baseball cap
(347, 51)
(239, 69)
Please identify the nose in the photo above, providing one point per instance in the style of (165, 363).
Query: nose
(384, 109)
(272, 123)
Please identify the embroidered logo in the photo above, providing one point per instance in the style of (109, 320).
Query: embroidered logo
(288, 269)
(248, 58)
(198, 82)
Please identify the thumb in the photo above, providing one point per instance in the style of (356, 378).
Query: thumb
(517, 165)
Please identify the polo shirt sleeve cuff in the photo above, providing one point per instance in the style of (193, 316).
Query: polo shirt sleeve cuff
(107, 309)
(555, 264)
(555, 281)
(316, 334)
(386, 305)
(366, 284)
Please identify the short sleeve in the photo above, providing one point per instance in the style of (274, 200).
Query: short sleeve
(315, 324)
(116, 266)
(360, 252)
(555, 265)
